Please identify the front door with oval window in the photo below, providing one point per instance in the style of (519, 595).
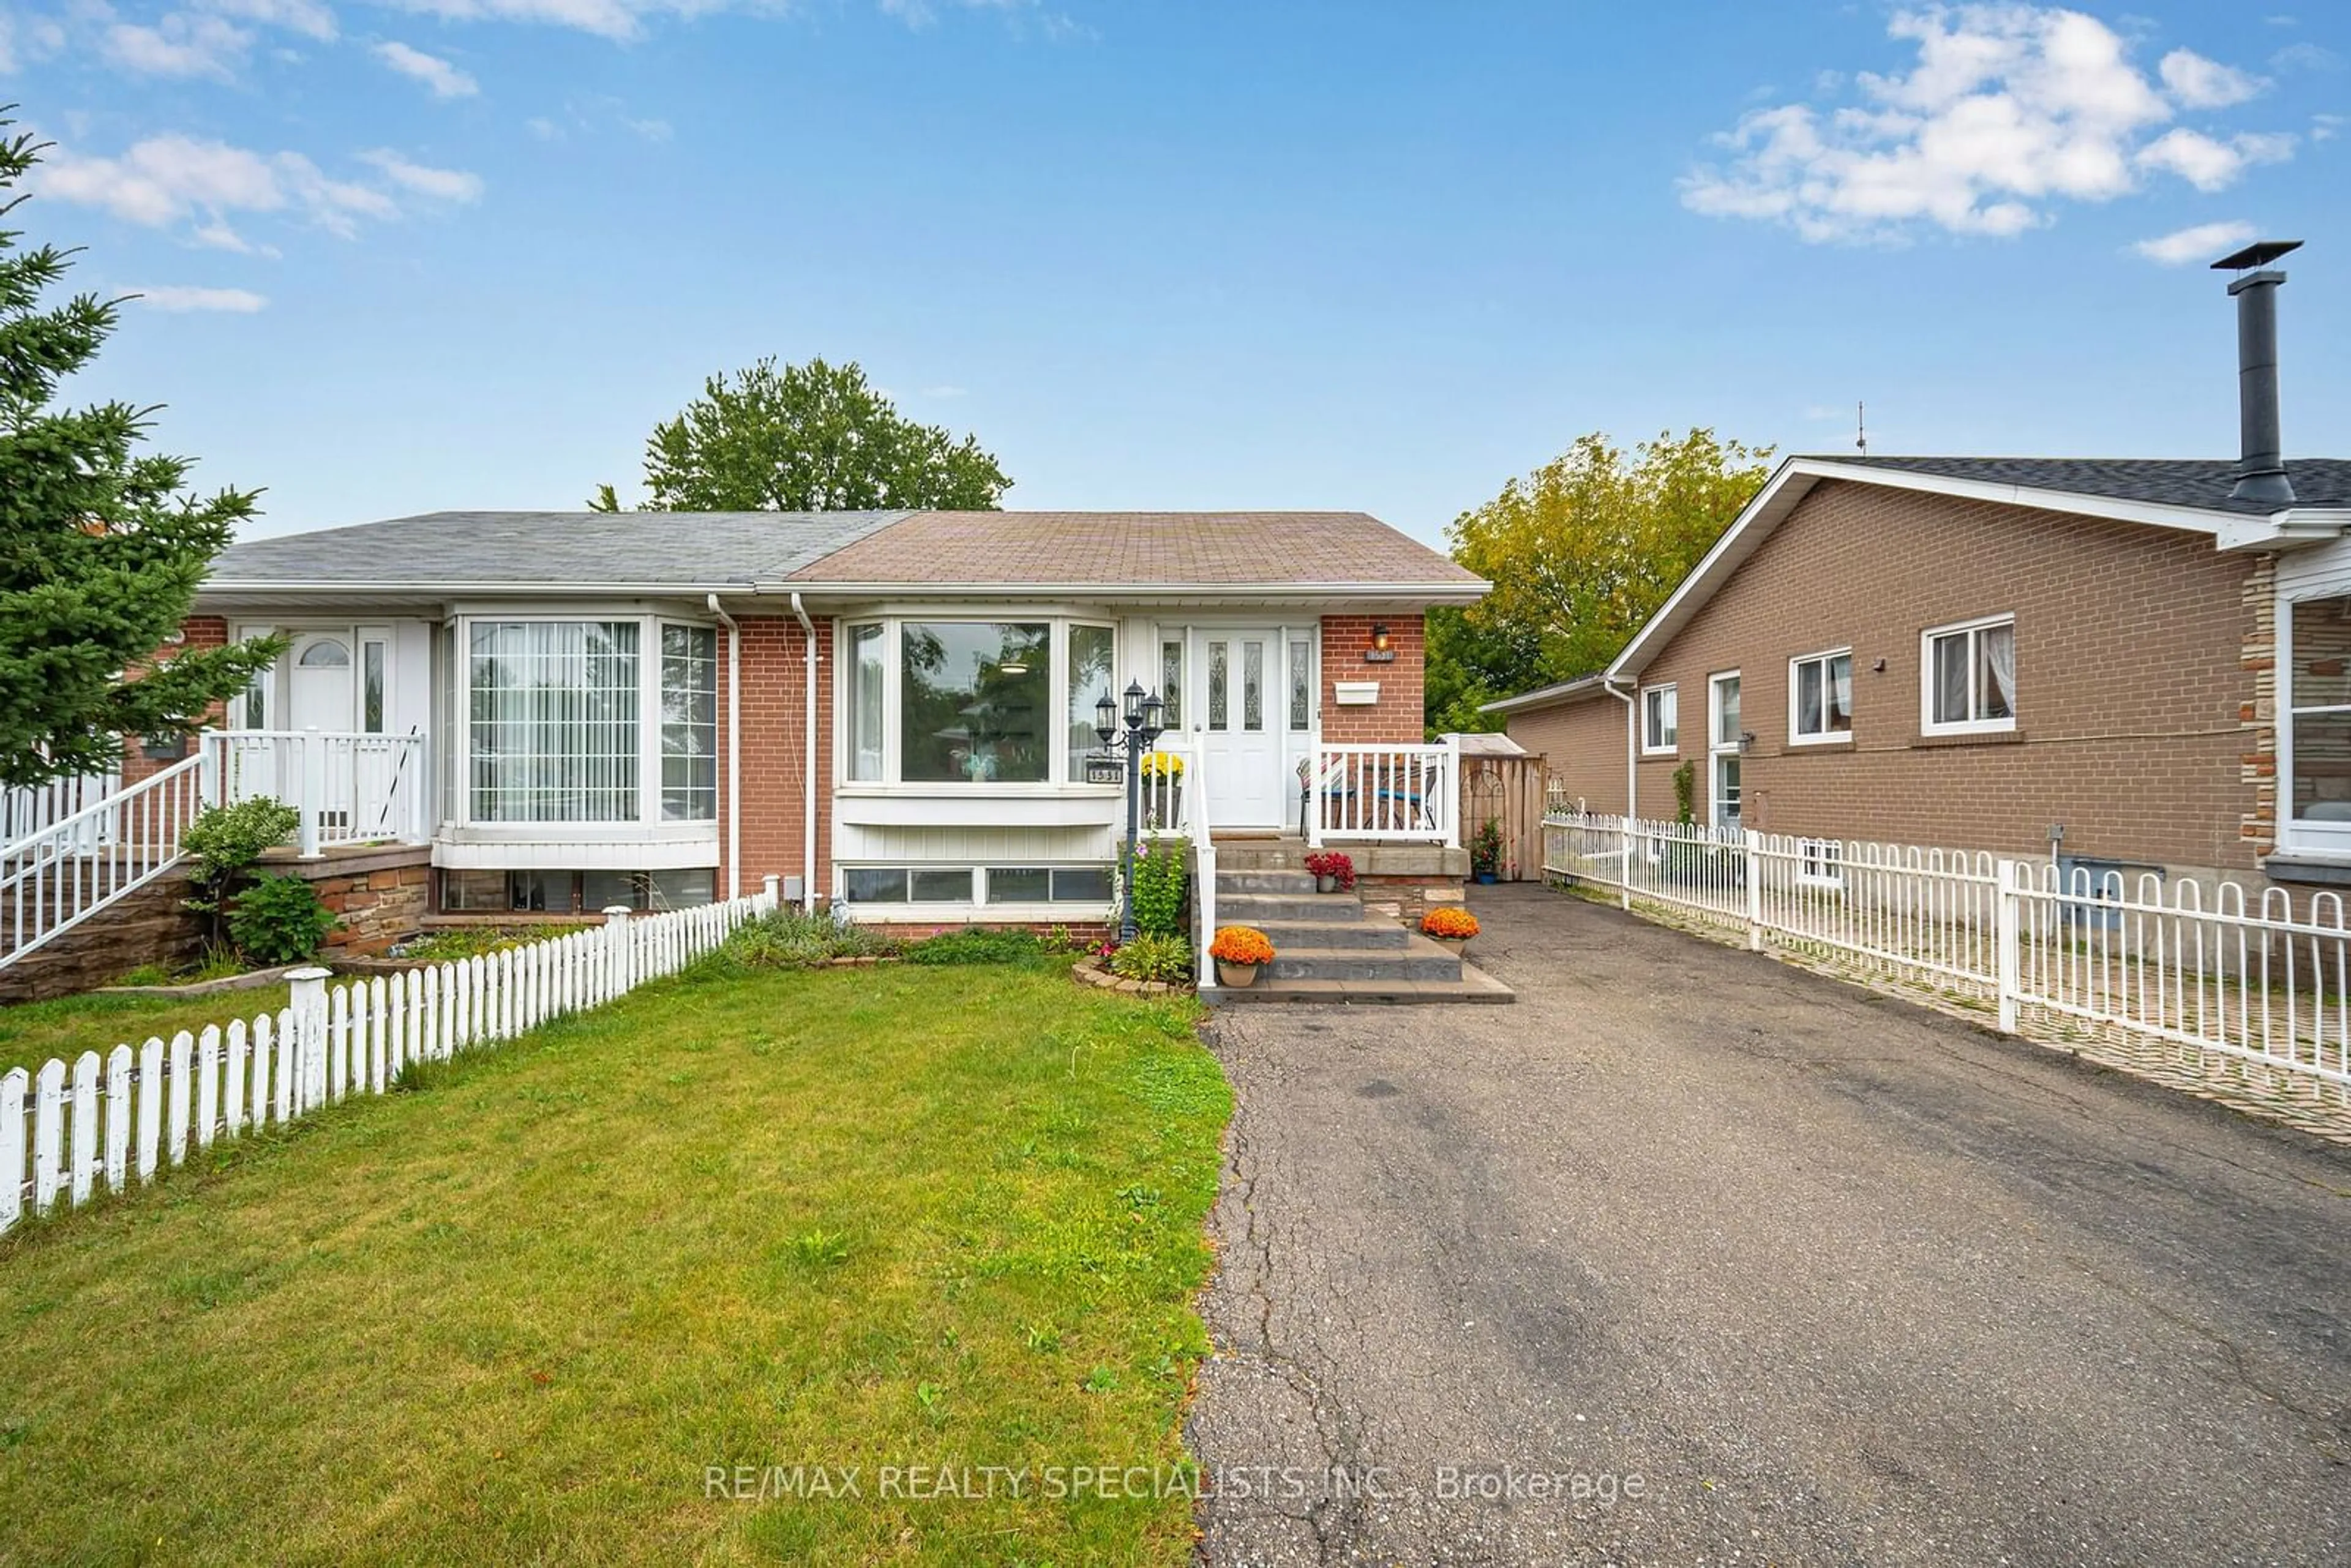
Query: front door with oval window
(319, 688)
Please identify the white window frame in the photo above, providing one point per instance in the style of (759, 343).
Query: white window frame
(1797, 737)
(2296, 835)
(1059, 775)
(1926, 639)
(1718, 748)
(1671, 694)
(1820, 864)
(649, 722)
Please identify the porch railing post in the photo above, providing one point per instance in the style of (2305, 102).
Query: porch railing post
(314, 789)
(208, 768)
(1452, 797)
(1315, 797)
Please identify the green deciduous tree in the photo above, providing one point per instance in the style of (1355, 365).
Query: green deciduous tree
(1580, 552)
(808, 438)
(102, 549)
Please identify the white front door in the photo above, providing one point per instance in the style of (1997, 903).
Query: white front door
(319, 688)
(1239, 724)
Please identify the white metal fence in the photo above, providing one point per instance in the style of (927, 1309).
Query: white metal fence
(67, 1129)
(2239, 999)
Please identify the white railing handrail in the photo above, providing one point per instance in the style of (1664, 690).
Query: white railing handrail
(52, 879)
(126, 1118)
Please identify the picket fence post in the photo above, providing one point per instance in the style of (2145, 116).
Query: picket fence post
(309, 1006)
(2007, 927)
(11, 1146)
(81, 1152)
(616, 950)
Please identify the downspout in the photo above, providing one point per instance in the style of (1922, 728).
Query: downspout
(734, 750)
(807, 805)
(1632, 751)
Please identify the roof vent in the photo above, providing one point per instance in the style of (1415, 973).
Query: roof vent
(2261, 468)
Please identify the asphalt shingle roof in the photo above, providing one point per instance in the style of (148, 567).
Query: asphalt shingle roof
(937, 549)
(588, 548)
(1207, 548)
(2175, 482)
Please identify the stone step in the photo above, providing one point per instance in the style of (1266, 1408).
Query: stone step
(1261, 854)
(1295, 883)
(1257, 908)
(1418, 959)
(1368, 936)
(1474, 986)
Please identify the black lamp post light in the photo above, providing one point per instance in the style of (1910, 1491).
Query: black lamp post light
(1128, 747)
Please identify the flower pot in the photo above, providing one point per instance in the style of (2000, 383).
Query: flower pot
(1239, 976)
(1458, 946)
(1326, 882)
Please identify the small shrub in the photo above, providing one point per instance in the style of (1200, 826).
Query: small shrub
(790, 939)
(279, 920)
(1486, 849)
(225, 843)
(974, 944)
(1242, 944)
(1163, 958)
(1159, 881)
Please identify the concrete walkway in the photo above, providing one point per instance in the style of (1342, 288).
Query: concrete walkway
(1692, 1257)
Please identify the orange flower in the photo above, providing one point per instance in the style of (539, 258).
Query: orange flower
(1240, 945)
(1449, 920)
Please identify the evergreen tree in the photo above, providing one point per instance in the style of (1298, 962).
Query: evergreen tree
(101, 549)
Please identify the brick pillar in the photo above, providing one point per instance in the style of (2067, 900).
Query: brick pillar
(774, 751)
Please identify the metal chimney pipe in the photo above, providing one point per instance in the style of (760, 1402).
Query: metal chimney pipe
(2260, 468)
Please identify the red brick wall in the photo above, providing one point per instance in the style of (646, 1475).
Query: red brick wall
(1583, 747)
(774, 741)
(1397, 717)
(2135, 701)
(202, 632)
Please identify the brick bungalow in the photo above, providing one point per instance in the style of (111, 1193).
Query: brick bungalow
(889, 708)
(2031, 656)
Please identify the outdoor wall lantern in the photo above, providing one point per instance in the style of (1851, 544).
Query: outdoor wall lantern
(1746, 740)
(1382, 651)
(1143, 729)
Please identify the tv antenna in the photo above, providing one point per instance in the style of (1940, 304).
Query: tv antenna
(1861, 427)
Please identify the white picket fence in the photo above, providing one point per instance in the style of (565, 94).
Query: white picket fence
(2182, 982)
(66, 1129)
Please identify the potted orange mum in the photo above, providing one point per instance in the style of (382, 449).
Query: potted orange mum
(1241, 951)
(1451, 925)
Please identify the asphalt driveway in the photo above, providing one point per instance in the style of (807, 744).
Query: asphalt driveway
(1691, 1257)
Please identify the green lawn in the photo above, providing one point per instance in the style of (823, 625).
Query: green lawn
(32, 1033)
(884, 1216)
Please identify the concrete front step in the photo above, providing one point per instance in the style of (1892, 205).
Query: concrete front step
(1354, 932)
(1474, 986)
(1288, 883)
(1261, 908)
(1418, 959)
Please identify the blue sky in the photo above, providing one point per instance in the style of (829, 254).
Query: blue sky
(1160, 254)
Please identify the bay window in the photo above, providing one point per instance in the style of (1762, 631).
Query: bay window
(558, 713)
(955, 703)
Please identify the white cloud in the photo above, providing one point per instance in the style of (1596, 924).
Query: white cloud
(310, 17)
(173, 179)
(546, 129)
(2197, 83)
(2326, 127)
(2305, 56)
(2007, 111)
(2204, 242)
(2209, 164)
(606, 19)
(445, 79)
(441, 184)
(652, 130)
(183, 297)
(180, 44)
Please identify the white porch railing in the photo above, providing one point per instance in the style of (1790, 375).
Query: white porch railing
(348, 789)
(1195, 820)
(2241, 1000)
(24, 812)
(58, 876)
(351, 789)
(1168, 795)
(1400, 793)
(70, 1129)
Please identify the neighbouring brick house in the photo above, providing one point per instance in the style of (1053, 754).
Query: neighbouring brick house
(569, 710)
(1977, 653)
